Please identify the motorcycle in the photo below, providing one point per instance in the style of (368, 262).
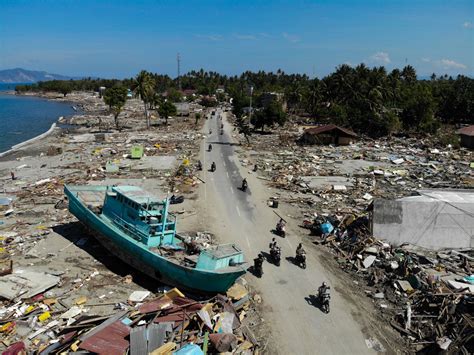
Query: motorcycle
(280, 229)
(213, 167)
(258, 267)
(244, 185)
(210, 147)
(176, 199)
(323, 299)
(199, 165)
(301, 260)
(275, 253)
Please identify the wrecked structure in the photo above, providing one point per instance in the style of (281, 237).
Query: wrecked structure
(467, 136)
(327, 134)
(434, 219)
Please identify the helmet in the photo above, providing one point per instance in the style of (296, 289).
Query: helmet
(273, 239)
(324, 283)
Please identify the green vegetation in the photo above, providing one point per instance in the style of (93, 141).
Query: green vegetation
(144, 87)
(115, 98)
(367, 100)
(270, 115)
(167, 109)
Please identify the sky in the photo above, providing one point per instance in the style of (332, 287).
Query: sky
(117, 39)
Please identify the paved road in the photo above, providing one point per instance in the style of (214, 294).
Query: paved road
(244, 218)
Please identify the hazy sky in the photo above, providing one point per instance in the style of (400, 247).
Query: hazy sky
(118, 38)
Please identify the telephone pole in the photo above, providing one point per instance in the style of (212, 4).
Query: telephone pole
(178, 58)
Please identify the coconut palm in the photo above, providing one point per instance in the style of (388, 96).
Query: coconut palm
(145, 87)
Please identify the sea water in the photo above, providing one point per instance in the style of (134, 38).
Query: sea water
(25, 117)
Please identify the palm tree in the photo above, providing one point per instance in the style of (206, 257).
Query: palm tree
(145, 87)
(409, 74)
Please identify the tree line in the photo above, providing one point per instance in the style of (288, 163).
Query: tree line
(367, 100)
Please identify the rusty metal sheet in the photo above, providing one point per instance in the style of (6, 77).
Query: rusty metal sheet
(110, 340)
(155, 305)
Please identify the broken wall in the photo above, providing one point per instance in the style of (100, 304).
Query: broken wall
(429, 224)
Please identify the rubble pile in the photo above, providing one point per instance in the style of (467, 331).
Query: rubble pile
(428, 295)
(167, 323)
(382, 168)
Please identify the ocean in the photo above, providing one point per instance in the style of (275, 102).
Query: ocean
(22, 118)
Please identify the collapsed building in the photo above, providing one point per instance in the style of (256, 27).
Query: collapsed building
(327, 134)
(434, 219)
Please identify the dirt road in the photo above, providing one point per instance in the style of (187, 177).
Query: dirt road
(298, 327)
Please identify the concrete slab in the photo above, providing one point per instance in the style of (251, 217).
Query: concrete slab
(26, 284)
(315, 182)
(352, 166)
(162, 162)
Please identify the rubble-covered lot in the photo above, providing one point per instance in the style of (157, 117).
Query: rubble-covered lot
(61, 291)
(327, 193)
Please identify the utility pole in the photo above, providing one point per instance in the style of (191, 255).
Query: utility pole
(178, 58)
(250, 114)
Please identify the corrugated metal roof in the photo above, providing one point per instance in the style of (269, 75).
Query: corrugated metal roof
(110, 340)
(468, 131)
(328, 128)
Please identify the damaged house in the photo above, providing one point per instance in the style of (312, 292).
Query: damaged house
(328, 134)
(467, 136)
(434, 219)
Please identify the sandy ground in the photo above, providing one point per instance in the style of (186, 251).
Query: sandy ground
(52, 240)
(296, 326)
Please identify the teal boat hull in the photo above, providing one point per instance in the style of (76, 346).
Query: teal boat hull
(141, 258)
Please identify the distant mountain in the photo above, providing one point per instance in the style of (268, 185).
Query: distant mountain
(19, 75)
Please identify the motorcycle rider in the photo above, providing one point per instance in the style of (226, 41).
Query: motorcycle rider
(213, 166)
(273, 244)
(324, 296)
(210, 147)
(323, 289)
(258, 262)
(299, 250)
(244, 184)
(199, 165)
(280, 227)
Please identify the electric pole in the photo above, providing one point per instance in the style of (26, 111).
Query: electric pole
(178, 58)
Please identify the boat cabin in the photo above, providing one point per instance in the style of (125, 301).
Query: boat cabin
(220, 257)
(140, 215)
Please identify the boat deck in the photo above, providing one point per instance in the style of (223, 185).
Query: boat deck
(179, 253)
(92, 198)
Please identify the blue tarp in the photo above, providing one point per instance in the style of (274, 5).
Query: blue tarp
(189, 349)
(326, 228)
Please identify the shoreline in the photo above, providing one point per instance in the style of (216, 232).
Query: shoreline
(23, 144)
(54, 125)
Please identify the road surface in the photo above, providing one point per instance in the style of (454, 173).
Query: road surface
(297, 327)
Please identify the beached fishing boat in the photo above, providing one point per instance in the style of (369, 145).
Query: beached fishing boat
(137, 227)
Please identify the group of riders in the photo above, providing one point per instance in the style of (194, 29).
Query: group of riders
(275, 250)
(323, 295)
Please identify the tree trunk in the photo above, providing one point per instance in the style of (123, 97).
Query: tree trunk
(116, 120)
(146, 116)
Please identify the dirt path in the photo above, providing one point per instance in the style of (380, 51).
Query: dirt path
(297, 326)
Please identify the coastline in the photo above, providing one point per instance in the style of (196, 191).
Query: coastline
(23, 144)
(28, 142)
